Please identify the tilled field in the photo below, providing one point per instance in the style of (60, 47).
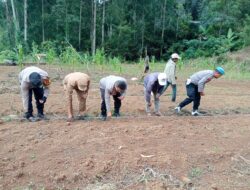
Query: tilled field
(132, 152)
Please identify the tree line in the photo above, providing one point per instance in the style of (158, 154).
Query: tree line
(127, 28)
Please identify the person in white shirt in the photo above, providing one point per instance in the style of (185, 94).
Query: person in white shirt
(34, 80)
(170, 71)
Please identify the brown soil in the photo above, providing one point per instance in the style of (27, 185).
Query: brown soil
(132, 152)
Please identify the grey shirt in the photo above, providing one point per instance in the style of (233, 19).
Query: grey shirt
(107, 84)
(201, 78)
(25, 83)
(151, 84)
(170, 71)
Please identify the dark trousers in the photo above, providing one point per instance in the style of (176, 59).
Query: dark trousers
(117, 103)
(193, 96)
(38, 93)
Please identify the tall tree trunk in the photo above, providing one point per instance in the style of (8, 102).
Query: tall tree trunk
(15, 19)
(25, 20)
(142, 34)
(80, 26)
(93, 46)
(103, 23)
(66, 22)
(8, 21)
(43, 20)
(163, 26)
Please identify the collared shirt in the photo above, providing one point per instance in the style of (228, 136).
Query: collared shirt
(108, 84)
(170, 71)
(201, 78)
(25, 83)
(151, 84)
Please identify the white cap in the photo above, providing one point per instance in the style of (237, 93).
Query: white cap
(175, 56)
(162, 79)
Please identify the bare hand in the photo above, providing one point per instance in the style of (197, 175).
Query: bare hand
(149, 104)
(202, 93)
(41, 101)
(70, 119)
(109, 114)
(157, 95)
(121, 97)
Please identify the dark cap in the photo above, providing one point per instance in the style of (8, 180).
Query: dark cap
(35, 79)
(121, 84)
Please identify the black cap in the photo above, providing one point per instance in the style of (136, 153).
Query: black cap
(35, 79)
(121, 84)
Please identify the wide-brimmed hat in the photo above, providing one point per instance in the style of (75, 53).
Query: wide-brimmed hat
(82, 86)
(175, 56)
(162, 79)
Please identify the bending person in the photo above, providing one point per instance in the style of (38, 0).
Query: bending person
(80, 83)
(34, 80)
(112, 86)
(195, 88)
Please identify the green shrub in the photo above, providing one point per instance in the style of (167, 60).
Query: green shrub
(99, 58)
(8, 54)
(70, 56)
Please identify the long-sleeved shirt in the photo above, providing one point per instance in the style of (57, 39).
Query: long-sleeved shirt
(25, 83)
(170, 71)
(108, 84)
(79, 82)
(201, 78)
(151, 84)
(76, 81)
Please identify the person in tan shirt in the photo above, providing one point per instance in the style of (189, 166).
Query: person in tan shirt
(80, 83)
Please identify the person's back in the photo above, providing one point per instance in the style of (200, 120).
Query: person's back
(109, 81)
(79, 82)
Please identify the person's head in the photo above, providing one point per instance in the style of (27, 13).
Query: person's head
(219, 71)
(175, 57)
(120, 86)
(46, 82)
(162, 79)
(35, 80)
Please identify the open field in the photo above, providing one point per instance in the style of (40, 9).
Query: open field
(133, 152)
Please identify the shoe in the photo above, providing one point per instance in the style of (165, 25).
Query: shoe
(40, 116)
(158, 113)
(149, 114)
(32, 119)
(103, 117)
(115, 114)
(177, 109)
(80, 117)
(196, 113)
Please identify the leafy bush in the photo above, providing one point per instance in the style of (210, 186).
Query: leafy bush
(245, 34)
(70, 56)
(99, 58)
(8, 54)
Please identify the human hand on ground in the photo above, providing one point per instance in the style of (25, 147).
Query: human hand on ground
(43, 100)
(121, 97)
(109, 114)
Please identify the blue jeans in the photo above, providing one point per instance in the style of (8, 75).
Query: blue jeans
(174, 89)
(193, 96)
